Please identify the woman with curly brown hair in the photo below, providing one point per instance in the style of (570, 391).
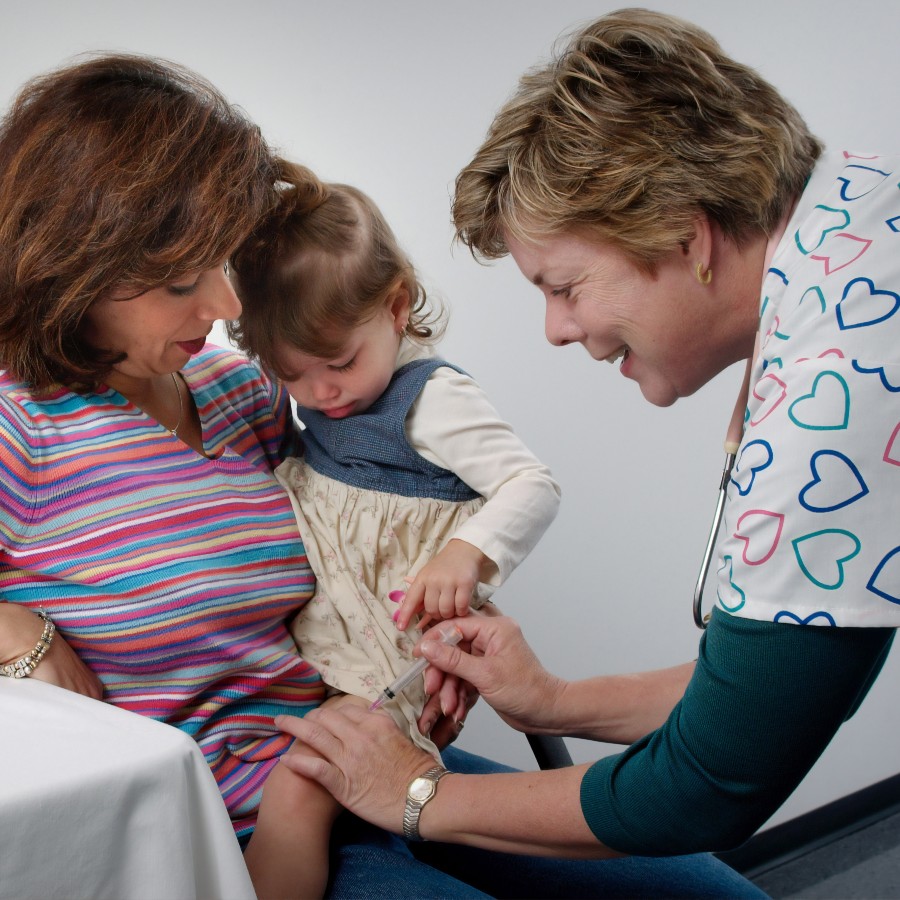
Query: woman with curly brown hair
(678, 217)
(147, 555)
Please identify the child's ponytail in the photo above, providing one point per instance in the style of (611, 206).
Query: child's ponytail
(297, 193)
(300, 190)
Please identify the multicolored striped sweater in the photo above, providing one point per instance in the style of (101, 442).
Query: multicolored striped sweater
(170, 573)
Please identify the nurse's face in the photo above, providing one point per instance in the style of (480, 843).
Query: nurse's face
(658, 327)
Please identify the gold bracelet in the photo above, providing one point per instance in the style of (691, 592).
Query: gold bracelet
(23, 667)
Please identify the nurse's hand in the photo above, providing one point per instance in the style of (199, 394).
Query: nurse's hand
(497, 662)
(364, 761)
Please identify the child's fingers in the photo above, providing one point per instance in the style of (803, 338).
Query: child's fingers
(455, 600)
(463, 601)
(412, 603)
(447, 602)
(425, 622)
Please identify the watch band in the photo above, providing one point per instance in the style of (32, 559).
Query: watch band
(419, 791)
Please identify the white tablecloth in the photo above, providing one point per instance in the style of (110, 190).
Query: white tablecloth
(100, 803)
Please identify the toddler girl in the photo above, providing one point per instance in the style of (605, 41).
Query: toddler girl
(409, 478)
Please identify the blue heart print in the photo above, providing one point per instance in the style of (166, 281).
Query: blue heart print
(841, 471)
(826, 407)
(859, 181)
(893, 223)
(880, 372)
(786, 615)
(750, 453)
(829, 549)
(740, 597)
(885, 580)
(858, 298)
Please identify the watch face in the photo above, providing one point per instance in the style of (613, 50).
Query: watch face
(421, 789)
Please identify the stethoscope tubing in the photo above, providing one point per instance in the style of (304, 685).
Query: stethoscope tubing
(700, 620)
(732, 444)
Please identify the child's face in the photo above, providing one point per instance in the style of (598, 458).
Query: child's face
(351, 382)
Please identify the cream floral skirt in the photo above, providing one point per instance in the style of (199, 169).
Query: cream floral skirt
(361, 545)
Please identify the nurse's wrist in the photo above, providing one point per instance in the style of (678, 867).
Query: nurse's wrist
(555, 714)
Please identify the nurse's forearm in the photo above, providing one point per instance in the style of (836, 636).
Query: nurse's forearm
(537, 813)
(618, 709)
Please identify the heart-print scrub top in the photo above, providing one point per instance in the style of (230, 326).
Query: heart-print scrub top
(811, 533)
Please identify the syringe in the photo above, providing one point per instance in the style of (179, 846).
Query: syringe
(449, 634)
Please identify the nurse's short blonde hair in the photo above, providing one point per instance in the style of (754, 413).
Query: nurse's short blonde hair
(638, 125)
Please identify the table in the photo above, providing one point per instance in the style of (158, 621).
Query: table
(96, 802)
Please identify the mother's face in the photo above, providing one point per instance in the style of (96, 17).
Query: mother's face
(162, 328)
(662, 326)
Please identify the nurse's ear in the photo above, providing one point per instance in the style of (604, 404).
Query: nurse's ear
(698, 251)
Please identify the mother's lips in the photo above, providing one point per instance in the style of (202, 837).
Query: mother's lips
(194, 346)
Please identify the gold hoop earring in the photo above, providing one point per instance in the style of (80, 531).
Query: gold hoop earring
(703, 277)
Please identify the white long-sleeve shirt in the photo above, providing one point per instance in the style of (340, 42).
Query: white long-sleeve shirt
(454, 425)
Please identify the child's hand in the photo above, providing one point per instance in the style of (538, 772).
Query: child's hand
(444, 587)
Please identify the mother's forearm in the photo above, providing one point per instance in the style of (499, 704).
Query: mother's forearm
(535, 813)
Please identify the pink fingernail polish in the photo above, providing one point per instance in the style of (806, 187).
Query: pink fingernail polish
(396, 596)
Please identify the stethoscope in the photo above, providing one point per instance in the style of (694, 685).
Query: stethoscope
(732, 444)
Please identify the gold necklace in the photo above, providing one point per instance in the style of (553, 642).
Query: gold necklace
(174, 431)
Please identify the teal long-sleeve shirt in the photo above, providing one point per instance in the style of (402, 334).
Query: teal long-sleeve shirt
(764, 701)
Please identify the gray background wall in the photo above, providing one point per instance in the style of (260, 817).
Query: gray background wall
(394, 96)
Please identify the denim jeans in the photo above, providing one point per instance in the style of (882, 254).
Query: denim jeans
(370, 863)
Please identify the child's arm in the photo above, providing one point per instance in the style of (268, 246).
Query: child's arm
(454, 425)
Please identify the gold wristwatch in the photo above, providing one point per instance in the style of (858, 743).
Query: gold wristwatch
(418, 793)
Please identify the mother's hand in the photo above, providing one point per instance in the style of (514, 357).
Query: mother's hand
(20, 629)
(63, 667)
(365, 761)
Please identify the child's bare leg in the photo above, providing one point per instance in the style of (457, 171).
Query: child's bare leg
(288, 854)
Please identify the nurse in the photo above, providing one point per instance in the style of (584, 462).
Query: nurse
(653, 189)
